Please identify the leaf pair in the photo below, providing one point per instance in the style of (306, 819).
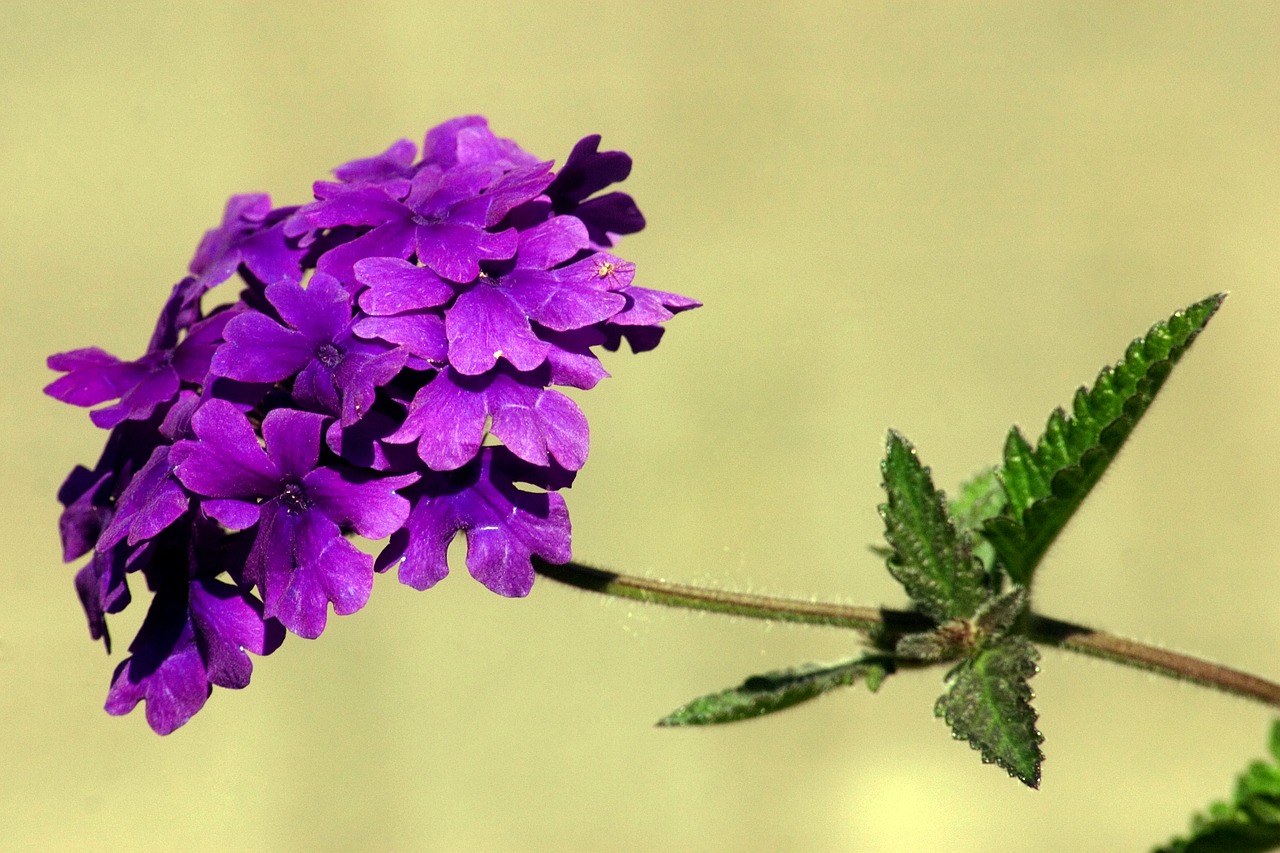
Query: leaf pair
(954, 559)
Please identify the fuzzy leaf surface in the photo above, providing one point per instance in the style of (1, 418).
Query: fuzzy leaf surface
(932, 560)
(779, 690)
(988, 703)
(1249, 822)
(1045, 484)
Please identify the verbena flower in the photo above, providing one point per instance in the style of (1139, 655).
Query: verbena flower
(386, 372)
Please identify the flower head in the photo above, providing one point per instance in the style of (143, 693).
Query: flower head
(386, 372)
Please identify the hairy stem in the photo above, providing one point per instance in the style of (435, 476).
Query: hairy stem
(872, 620)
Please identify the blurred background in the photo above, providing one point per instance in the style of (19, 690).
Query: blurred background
(936, 217)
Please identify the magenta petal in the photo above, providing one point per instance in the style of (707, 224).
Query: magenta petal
(258, 349)
(393, 240)
(231, 513)
(454, 251)
(293, 441)
(552, 242)
(226, 461)
(320, 312)
(328, 569)
(369, 504)
(483, 326)
(396, 286)
(420, 335)
(535, 423)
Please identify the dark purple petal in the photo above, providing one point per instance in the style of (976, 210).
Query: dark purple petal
(650, 307)
(86, 496)
(588, 170)
(320, 312)
(570, 358)
(231, 513)
(192, 357)
(315, 387)
(93, 376)
(448, 422)
(560, 303)
(363, 204)
(608, 216)
(448, 417)
(165, 669)
(483, 326)
(228, 621)
(151, 502)
(392, 240)
(504, 526)
(157, 386)
(467, 141)
(242, 214)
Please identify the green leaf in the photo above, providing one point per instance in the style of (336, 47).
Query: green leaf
(980, 498)
(988, 703)
(931, 559)
(1250, 822)
(1046, 484)
(778, 690)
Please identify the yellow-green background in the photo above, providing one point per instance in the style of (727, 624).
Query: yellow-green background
(936, 217)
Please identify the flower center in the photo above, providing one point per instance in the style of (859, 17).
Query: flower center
(294, 498)
(428, 219)
(328, 355)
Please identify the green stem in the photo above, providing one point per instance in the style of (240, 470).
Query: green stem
(871, 620)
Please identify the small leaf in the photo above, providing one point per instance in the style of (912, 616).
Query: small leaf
(949, 641)
(980, 498)
(1249, 823)
(998, 615)
(931, 559)
(1046, 485)
(778, 690)
(988, 703)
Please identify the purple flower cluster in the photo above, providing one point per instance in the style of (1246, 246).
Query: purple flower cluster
(384, 331)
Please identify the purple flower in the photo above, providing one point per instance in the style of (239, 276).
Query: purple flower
(195, 635)
(468, 141)
(94, 376)
(394, 163)
(300, 559)
(442, 217)
(586, 172)
(386, 371)
(336, 372)
(504, 525)
(251, 234)
(448, 418)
